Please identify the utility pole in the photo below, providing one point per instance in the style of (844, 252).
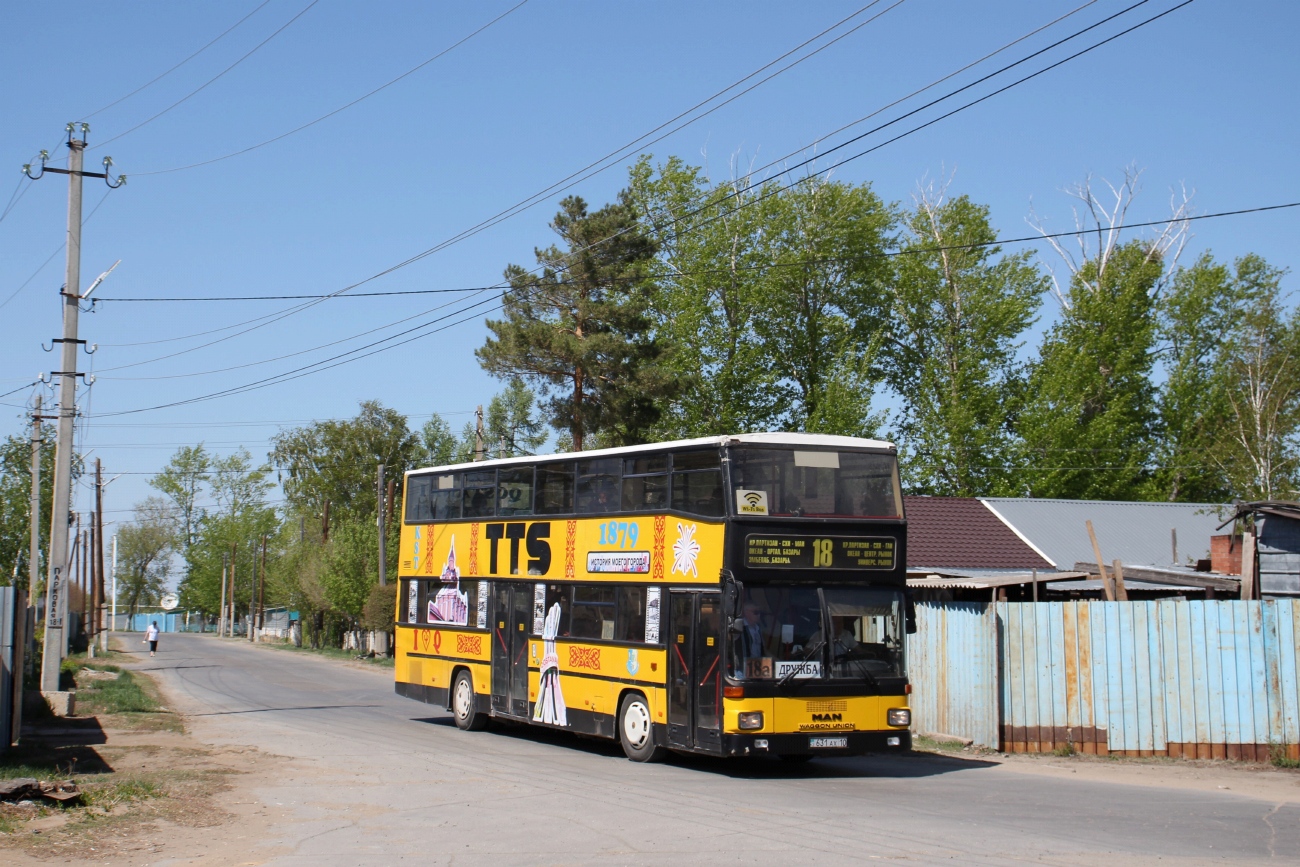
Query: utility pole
(325, 523)
(261, 592)
(56, 593)
(252, 598)
(34, 549)
(221, 618)
(478, 434)
(379, 521)
(113, 626)
(98, 595)
(234, 552)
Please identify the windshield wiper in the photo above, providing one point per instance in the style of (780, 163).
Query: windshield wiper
(785, 678)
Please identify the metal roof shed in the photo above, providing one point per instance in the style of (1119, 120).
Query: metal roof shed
(1136, 533)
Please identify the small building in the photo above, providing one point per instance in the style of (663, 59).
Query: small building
(967, 548)
(1264, 545)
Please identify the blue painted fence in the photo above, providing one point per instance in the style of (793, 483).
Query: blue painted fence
(1204, 679)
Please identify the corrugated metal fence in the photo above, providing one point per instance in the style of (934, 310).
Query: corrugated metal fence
(1205, 679)
(953, 661)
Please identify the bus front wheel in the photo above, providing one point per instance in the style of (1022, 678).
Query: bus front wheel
(636, 732)
(468, 717)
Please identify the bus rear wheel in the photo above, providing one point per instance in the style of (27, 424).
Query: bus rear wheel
(468, 717)
(636, 731)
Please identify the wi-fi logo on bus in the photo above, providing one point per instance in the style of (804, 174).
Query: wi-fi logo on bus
(751, 502)
(754, 498)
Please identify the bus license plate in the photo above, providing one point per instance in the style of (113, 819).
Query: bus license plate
(827, 743)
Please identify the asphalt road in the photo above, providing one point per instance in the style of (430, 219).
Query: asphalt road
(373, 778)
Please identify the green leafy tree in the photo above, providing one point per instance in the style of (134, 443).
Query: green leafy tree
(579, 331)
(960, 310)
(1201, 317)
(708, 297)
(776, 295)
(512, 426)
(1090, 421)
(15, 503)
(182, 482)
(826, 301)
(1259, 447)
(337, 461)
(144, 554)
(230, 534)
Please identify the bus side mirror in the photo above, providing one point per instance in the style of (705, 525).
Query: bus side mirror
(736, 626)
(909, 616)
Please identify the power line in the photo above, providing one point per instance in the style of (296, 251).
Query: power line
(57, 251)
(159, 78)
(299, 308)
(341, 108)
(212, 80)
(277, 358)
(375, 347)
(794, 263)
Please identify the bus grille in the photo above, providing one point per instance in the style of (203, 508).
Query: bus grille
(826, 706)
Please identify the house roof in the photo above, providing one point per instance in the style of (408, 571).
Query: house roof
(1137, 533)
(962, 533)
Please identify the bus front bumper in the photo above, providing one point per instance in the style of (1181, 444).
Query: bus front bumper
(817, 743)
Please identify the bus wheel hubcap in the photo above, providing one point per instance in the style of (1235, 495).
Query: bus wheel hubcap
(636, 724)
(462, 699)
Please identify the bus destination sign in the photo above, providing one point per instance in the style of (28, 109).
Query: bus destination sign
(780, 551)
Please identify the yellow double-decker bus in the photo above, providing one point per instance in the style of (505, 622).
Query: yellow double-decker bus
(733, 596)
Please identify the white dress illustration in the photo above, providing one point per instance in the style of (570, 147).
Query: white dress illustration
(550, 698)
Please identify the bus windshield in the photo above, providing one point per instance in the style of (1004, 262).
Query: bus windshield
(802, 633)
(825, 484)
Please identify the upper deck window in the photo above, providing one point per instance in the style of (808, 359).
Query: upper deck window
(433, 498)
(819, 483)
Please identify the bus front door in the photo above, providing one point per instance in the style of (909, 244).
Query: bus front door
(694, 671)
(511, 614)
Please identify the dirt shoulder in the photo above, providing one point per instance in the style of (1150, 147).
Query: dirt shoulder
(151, 792)
(1247, 779)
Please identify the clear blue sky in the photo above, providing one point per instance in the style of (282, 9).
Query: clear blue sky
(1204, 97)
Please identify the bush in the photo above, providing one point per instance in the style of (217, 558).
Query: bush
(380, 608)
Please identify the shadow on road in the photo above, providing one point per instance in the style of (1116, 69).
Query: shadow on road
(280, 709)
(897, 765)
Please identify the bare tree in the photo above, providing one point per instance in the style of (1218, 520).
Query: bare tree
(1101, 219)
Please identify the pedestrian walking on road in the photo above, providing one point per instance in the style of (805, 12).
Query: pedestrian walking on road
(151, 637)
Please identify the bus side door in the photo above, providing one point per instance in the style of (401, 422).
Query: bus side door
(511, 614)
(694, 671)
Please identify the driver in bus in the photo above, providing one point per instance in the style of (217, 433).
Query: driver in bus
(751, 635)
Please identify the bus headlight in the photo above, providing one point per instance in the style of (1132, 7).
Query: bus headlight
(751, 720)
(900, 716)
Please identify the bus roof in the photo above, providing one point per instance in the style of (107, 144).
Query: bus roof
(770, 439)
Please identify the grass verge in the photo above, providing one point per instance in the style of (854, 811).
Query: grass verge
(333, 653)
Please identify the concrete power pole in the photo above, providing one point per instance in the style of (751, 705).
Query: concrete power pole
(97, 596)
(34, 550)
(479, 451)
(221, 618)
(56, 602)
(379, 520)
